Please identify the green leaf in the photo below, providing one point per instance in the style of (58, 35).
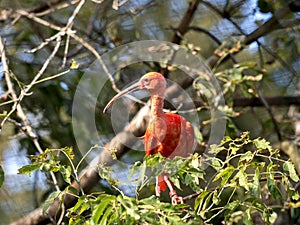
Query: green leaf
(3, 114)
(289, 167)
(198, 135)
(215, 149)
(216, 163)
(98, 211)
(130, 206)
(242, 178)
(69, 152)
(262, 144)
(202, 202)
(1, 176)
(176, 182)
(246, 157)
(49, 200)
(225, 174)
(113, 217)
(258, 204)
(271, 182)
(216, 199)
(232, 206)
(105, 216)
(66, 173)
(255, 185)
(247, 220)
(28, 169)
(226, 139)
(81, 206)
(200, 199)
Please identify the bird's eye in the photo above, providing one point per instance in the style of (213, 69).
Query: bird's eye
(146, 80)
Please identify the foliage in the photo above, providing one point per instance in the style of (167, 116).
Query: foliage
(50, 160)
(239, 176)
(110, 209)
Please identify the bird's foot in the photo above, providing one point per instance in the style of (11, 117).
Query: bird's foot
(175, 199)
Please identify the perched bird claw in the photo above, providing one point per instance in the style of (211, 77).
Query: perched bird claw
(175, 199)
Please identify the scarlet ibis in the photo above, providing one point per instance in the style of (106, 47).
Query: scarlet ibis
(167, 133)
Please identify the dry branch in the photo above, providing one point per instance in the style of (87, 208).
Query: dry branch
(185, 22)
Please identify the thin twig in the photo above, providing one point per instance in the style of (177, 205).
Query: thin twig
(66, 51)
(74, 36)
(26, 128)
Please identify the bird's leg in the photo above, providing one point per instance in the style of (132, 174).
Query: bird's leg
(175, 199)
(157, 187)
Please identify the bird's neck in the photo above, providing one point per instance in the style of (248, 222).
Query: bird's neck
(157, 105)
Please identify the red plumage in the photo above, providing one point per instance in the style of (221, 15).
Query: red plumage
(168, 134)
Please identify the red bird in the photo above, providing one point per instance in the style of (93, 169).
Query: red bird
(168, 133)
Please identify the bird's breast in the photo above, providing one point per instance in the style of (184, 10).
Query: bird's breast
(169, 135)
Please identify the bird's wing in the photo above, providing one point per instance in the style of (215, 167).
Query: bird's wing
(150, 142)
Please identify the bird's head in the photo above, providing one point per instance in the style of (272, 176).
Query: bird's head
(153, 82)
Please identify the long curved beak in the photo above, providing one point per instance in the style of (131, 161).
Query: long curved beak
(131, 88)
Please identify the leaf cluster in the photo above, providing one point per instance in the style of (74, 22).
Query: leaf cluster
(50, 161)
(110, 209)
(233, 184)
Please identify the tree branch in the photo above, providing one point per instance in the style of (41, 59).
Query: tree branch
(186, 20)
(271, 25)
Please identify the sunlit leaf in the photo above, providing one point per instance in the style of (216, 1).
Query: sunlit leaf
(255, 184)
(200, 199)
(216, 198)
(262, 144)
(198, 135)
(289, 167)
(176, 182)
(72, 190)
(253, 78)
(69, 152)
(216, 164)
(28, 169)
(81, 206)
(247, 220)
(66, 173)
(242, 178)
(225, 174)
(295, 196)
(215, 149)
(108, 212)
(100, 208)
(3, 114)
(246, 157)
(271, 182)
